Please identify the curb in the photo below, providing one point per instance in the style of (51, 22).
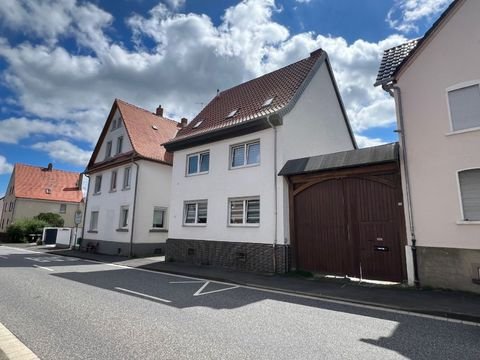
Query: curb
(457, 317)
(12, 348)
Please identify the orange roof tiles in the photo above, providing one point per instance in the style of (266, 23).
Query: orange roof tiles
(33, 182)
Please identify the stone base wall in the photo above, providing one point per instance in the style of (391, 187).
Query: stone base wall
(455, 269)
(123, 249)
(234, 255)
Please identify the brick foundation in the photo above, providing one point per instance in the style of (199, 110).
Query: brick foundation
(234, 255)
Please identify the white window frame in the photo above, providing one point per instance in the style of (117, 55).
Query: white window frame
(114, 124)
(63, 209)
(198, 154)
(113, 184)
(450, 120)
(462, 220)
(123, 220)
(108, 149)
(90, 226)
(196, 202)
(244, 220)
(127, 180)
(245, 154)
(99, 190)
(164, 210)
(119, 147)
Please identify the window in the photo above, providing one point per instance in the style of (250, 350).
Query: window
(198, 163)
(197, 124)
(12, 205)
(159, 217)
(98, 184)
(244, 211)
(245, 154)
(119, 144)
(94, 220)
(464, 104)
(195, 212)
(127, 178)
(108, 151)
(232, 114)
(469, 181)
(63, 208)
(113, 181)
(114, 124)
(124, 217)
(267, 102)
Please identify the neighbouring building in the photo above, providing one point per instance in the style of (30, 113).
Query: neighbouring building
(228, 205)
(129, 187)
(33, 190)
(436, 84)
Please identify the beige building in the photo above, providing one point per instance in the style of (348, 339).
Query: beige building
(436, 84)
(33, 190)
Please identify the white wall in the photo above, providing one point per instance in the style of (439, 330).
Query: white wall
(434, 154)
(154, 183)
(113, 137)
(220, 184)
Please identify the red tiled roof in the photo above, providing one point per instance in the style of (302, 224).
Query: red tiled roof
(145, 139)
(146, 131)
(282, 85)
(33, 182)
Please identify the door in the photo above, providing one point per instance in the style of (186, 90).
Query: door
(50, 236)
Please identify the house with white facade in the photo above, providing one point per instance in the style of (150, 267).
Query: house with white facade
(36, 189)
(436, 85)
(228, 205)
(129, 188)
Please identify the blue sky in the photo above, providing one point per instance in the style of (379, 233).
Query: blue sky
(63, 62)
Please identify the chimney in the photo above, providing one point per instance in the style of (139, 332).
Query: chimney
(49, 167)
(182, 123)
(159, 111)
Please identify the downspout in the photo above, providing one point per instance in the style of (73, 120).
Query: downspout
(85, 211)
(134, 206)
(395, 92)
(274, 244)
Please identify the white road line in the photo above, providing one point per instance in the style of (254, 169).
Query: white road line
(143, 295)
(186, 282)
(199, 291)
(43, 267)
(3, 257)
(284, 293)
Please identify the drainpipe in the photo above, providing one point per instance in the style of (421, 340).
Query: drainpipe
(274, 244)
(85, 211)
(395, 92)
(134, 206)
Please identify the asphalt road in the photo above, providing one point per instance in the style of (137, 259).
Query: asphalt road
(68, 308)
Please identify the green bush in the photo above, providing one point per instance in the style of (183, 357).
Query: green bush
(52, 219)
(19, 231)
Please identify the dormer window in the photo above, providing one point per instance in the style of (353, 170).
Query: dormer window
(198, 123)
(119, 144)
(114, 124)
(268, 102)
(232, 114)
(108, 151)
(48, 191)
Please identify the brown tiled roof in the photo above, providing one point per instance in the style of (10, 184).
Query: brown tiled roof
(282, 85)
(146, 132)
(33, 182)
(392, 58)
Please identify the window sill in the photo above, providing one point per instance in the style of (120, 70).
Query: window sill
(113, 191)
(196, 174)
(158, 230)
(98, 193)
(463, 131)
(243, 166)
(466, 222)
(195, 225)
(125, 189)
(122, 230)
(244, 225)
(92, 231)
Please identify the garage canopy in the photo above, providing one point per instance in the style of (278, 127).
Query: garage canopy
(344, 159)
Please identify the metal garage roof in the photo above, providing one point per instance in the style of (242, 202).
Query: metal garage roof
(343, 159)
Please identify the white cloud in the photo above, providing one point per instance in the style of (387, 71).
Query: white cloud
(364, 141)
(175, 4)
(405, 14)
(64, 152)
(5, 167)
(303, 1)
(190, 60)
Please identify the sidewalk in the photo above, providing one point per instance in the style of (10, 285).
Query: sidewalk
(444, 303)
(13, 349)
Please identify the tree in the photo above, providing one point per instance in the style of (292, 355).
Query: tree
(52, 219)
(19, 231)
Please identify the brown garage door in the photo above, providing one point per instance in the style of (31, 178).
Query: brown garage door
(350, 225)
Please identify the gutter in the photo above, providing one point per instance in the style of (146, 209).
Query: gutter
(395, 92)
(274, 244)
(86, 206)
(134, 207)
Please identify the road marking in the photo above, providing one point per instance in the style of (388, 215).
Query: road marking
(199, 291)
(284, 293)
(141, 294)
(3, 257)
(43, 267)
(186, 282)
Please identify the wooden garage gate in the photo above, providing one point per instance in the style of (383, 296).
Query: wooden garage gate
(346, 214)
